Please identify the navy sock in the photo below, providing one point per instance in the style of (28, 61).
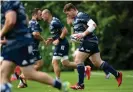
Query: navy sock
(57, 84)
(105, 66)
(5, 87)
(81, 70)
(106, 72)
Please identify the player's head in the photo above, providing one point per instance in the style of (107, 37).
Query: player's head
(46, 14)
(37, 13)
(70, 10)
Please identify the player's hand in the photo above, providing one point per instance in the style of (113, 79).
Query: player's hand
(49, 41)
(79, 36)
(3, 41)
(56, 42)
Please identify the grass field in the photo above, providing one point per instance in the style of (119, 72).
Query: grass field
(97, 83)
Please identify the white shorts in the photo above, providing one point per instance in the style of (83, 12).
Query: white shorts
(60, 58)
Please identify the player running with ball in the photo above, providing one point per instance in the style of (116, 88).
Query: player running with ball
(17, 49)
(83, 31)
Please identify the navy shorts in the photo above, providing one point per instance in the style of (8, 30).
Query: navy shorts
(22, 56)
(62, 49)
(37, 55)
(36, 52)
(89, 47)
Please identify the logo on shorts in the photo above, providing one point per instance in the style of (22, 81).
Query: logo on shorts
(32, 60)
(60, 54)
(55, 53)
(24, 62)
(82, 48)
(87, 50)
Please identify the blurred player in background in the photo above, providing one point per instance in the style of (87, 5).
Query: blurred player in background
(17, 49)
(83, 29)
(35, 30)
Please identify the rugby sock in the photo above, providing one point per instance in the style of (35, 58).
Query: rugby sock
(5, 87)
(58, 79)
(105, 66)
(57, 84)
(106, 72)
(20, 82)
(81, 70)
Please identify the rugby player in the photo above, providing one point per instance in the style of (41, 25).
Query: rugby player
(83, 27)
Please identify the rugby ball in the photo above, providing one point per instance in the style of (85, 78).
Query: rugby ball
(74, 38)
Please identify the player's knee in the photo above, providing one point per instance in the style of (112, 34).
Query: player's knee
(39, 66)
(39, 63)
(77, 61)
(54, 63)
(97, 63)
(65, 64)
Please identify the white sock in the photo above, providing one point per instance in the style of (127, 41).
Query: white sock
(57, 78)
(20, 82)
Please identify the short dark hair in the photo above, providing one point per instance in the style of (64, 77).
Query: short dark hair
(35, 11)
(69, 6)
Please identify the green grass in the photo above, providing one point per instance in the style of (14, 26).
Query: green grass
(97, 83)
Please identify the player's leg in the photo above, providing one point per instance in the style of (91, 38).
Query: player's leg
(39, 62)
(56, 58)
(97, 61)
(73, 65)
(6, 69)
(56, 67)
(79, 60)
(87, 68)
(15, 75)
(107, 73)
(38, 65)
(64, 50)
(67, 63)
(31, 74)
(22, 82)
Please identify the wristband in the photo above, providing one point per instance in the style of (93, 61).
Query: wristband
(60, 39)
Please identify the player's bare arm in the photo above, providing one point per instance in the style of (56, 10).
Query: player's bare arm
(38, 36)
(62, 36)
(9, 22)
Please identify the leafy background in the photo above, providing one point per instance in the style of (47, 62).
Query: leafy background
(115, 29)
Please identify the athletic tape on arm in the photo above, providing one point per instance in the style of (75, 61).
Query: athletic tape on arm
(91, 25)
